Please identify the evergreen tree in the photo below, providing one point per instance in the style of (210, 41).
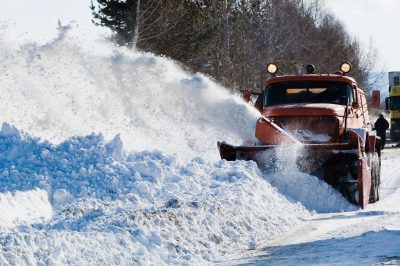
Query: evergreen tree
(120, 16)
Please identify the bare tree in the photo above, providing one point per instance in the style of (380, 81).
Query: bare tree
(233, 40)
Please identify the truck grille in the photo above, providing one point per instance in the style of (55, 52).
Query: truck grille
(310, 129)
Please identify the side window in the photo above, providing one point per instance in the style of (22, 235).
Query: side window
(264, 96)
(260, 101)
(396, 81)
(354, 95)
(350, 95)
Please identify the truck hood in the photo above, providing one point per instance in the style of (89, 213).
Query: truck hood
(304, 109)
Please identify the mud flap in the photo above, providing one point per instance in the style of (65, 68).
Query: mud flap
(364, 181)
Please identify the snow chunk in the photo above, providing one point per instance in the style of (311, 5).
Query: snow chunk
(61, 197)
(7, 130)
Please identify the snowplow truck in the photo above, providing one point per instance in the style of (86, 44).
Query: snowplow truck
(326, 115)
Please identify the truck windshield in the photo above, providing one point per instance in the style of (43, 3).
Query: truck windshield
(395, 103)
(308, 92)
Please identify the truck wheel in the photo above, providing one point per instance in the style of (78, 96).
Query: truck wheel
(378, 178)
(373, 196)
(394, 137)
(375, 178)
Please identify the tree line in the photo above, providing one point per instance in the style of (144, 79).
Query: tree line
(233, 40)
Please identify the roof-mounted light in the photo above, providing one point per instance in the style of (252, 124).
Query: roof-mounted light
(272, 68)
(345, 67)
(310, 69)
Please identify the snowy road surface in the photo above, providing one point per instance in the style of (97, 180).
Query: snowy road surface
(362, 237)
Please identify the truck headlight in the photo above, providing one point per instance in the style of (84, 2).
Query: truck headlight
(345, 67)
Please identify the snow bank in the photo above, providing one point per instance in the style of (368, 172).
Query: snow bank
(145, 205)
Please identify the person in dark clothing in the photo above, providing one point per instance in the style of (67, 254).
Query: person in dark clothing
(381, 125)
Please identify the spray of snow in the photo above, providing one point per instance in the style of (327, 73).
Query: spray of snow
(96, 87)
(311, 191)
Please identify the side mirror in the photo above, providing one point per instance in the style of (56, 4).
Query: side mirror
(387, 103)
(355, 105)
(376, 99)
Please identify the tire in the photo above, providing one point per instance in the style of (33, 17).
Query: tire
(394, 137)
(375, 178)
(373, 196)
(378, 148)
(378, 178)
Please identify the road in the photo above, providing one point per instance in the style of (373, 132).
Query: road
(362, 237)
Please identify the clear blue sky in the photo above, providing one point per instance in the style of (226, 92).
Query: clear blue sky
(368, 20)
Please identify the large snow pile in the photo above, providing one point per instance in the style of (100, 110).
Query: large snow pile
(109, 149)
(144, 206)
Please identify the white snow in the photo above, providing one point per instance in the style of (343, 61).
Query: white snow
(312, 192)
(108, 156)
(21, 207)
(164, 211)
(304, 135)
(75, 86)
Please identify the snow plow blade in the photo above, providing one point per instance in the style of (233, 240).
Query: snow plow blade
(232, 153)
(344, 166)
(267, 131)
